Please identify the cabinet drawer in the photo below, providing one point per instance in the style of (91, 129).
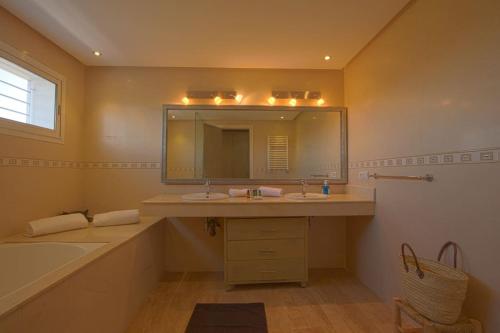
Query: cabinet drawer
(265, 270)
(266, 228)
(266, 249)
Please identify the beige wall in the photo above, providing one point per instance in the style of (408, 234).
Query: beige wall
(45, 191)
(123, 123)
(428, 85)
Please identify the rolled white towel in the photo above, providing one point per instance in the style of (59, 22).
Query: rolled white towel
(118, 217)
(54, 224)
(270, 191)
(238, 192)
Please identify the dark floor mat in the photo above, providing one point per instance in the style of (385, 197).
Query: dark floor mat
(228, 318)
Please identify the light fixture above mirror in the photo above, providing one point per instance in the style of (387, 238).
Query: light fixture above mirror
(295, 96)
(217, 96)
(292, 97)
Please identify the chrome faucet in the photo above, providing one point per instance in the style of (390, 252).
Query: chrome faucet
(207, 185)
(303, 182)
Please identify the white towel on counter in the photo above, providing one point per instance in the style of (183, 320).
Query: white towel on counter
(271, 191)
(55, 224)
(238, 192)
(117, 217)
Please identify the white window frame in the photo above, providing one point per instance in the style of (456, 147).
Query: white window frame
(15, 128)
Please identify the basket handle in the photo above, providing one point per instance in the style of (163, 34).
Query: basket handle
(455, 251)
(420, 273)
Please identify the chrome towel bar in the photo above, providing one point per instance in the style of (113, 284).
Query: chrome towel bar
(427, 177)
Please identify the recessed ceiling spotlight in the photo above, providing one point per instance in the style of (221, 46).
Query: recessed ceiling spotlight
(271, 100)
(327, 57)
(293, 101)
(185, 101)
(97, 53)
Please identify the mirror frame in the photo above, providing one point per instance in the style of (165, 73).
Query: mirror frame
(236, 181)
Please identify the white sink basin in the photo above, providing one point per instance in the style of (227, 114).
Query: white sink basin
(203, 196)
(307, 196)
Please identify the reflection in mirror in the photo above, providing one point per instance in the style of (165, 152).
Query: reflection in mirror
(258, 144)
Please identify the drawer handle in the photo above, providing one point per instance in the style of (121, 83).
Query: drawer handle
(267, 251)
(268, 272)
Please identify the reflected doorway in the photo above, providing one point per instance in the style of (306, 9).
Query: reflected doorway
(226, 152)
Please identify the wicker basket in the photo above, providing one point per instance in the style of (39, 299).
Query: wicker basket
(435, 290)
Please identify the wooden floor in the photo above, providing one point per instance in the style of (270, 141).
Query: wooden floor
(333, 302)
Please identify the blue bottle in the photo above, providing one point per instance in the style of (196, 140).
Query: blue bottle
(325, 189)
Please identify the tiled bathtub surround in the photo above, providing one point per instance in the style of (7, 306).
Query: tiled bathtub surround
(108, 285)
(477, 156)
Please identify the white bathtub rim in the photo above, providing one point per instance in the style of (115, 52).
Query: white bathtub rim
(87, 246)
(15, 299)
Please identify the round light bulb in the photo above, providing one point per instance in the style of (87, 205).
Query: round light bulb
(97, 53)
(282, 117)
(271, 100)
(173, 117)
(320, 101)
(185, 100)
(238, 98)
(327, 57)
(217, 100)
(293, 102)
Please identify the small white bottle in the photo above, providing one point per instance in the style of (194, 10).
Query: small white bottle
(325, 189)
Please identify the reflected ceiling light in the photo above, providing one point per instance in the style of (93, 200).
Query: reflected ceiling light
(282, 117)
(238, 98)
(217, 100)
(185, 101)
(320, 102)
(97, 53)
(271, 100)
(173, 116)
(292, 102)
(327, 57)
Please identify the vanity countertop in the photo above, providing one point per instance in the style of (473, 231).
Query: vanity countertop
(177, 199)
(354, 202)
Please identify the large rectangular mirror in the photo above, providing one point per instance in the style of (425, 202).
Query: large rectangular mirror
(254, 144)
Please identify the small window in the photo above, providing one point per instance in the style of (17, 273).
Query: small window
(30, 97)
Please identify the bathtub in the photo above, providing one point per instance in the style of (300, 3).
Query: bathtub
(25, 263)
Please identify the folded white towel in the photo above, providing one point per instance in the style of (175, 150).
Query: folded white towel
(270, 191)
(238, 192)
(116, 218)
(54, 224)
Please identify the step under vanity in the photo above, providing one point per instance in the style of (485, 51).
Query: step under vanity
(265, 240)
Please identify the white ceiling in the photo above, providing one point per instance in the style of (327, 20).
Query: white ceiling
(209, 33)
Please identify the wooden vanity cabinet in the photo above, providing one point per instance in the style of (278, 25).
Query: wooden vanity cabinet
(266, 250)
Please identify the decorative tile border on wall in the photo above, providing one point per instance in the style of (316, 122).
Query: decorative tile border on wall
(478, 156)
(40, 163)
